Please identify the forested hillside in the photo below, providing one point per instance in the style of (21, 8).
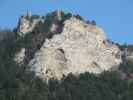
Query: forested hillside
(16, 83)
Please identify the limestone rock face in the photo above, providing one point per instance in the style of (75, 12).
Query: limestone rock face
(79, 48)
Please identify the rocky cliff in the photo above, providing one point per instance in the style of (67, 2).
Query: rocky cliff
(70, 45)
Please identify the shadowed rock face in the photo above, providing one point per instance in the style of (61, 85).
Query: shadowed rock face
(79, 48)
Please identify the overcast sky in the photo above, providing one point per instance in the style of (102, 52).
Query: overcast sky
(114, 16)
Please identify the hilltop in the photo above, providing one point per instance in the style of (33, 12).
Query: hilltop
(60, 56)
(59, 44)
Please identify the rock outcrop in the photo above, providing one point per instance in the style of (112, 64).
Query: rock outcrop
(79, 48)
(62, 44)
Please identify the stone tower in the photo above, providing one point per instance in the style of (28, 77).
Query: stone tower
(59, 14)
(29, 14)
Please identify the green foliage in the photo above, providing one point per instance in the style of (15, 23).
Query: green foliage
(125, 46)
(15, 82)
(127, 66)
(93, 22)
(107, 86)
(79, 17)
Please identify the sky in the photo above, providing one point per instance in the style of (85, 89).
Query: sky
(115, 17)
